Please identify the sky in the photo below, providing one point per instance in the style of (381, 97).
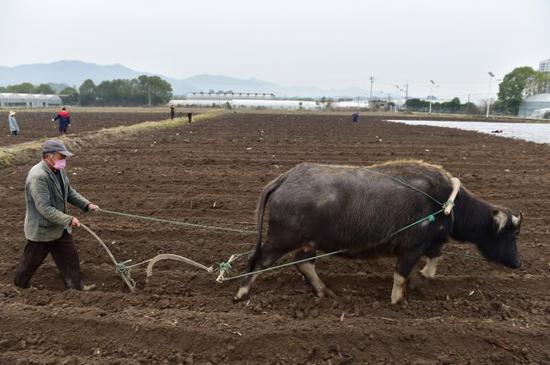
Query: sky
(290, 42)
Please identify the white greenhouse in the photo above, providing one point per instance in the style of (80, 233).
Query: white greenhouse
(11, 100)
(535, 106)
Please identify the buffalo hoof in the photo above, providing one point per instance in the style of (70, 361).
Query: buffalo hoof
(324, 292)
(242, 294)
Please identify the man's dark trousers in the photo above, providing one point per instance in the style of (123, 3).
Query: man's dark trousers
(64, 254)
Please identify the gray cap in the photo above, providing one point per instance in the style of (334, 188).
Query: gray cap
(53, 145)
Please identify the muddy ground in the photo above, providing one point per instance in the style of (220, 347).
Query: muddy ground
(212, 173)
(35, 125)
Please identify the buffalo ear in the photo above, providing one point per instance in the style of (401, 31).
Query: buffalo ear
(499, 220)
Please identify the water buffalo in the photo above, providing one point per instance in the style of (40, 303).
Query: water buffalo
(328, 207)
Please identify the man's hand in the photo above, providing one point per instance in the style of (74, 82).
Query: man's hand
(93, 207)
(75, 222)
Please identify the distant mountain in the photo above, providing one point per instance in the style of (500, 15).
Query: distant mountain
(75, 72)
(66, 72)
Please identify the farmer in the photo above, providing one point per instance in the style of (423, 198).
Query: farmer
(64, 120)
(14, 127)
(47, 222)
(172, 111)
(189, 117)
(355, 117)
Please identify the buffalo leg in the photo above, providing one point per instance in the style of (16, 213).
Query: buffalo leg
(403, 268)
(429, 270)
(307, 269)
(433, 256)
(260, 260)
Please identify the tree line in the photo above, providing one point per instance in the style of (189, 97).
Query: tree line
(518, 84)
(144, 90)
(452, 106)
(512, 90)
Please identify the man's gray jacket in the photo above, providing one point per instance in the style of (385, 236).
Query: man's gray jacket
(46, 215)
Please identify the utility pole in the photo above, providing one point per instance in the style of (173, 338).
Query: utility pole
(491, 75)
(406, 95)
(431, 96)
(371, 82)
(149, 93)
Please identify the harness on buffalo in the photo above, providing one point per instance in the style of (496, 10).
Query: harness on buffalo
(446, 209)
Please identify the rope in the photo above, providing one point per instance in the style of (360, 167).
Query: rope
(170, 221)
(465, 255)
(402, 182)
(222, 279)
(120, 267)
(225, 267)
(430, 218)
(170, 256)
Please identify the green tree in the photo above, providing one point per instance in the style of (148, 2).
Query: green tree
(510, 91)
(154, 89)
(69, 95)
(470, 108)
(24, 88)
(417, 105)
(44, 89)
(87, 93)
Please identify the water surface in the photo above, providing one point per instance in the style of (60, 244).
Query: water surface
(534, 132)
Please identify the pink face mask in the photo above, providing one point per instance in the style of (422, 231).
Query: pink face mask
(60, 164)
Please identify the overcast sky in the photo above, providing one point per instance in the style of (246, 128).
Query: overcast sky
(290, 42)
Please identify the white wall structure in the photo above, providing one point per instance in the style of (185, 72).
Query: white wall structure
(544, 66)
(11, 100)
(200, 95)
(535, 106)
(270, 104)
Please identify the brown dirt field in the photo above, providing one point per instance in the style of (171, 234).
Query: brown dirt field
(472, 313)
(38, 124)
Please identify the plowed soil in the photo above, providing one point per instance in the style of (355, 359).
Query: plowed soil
(39, 124)
(212, 172)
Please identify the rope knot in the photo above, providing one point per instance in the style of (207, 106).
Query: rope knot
(225, 266)
(122, 268)
(448, 207)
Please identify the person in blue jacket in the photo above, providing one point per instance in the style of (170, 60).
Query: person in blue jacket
(64, 119)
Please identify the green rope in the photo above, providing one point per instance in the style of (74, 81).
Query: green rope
(430, 218)
(404, 184)
(465, 255)
(279, 266)
(123, 270)
(226, 265)
(195, 225)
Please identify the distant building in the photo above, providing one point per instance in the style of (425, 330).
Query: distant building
(544, 66)
(11, 100)
(535, 106)
(229, 95)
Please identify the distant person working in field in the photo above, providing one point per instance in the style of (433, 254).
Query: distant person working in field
(64, 119)
(13, 125)
(172, 111)
(355, 117)
(189, 117)
(47, 222)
